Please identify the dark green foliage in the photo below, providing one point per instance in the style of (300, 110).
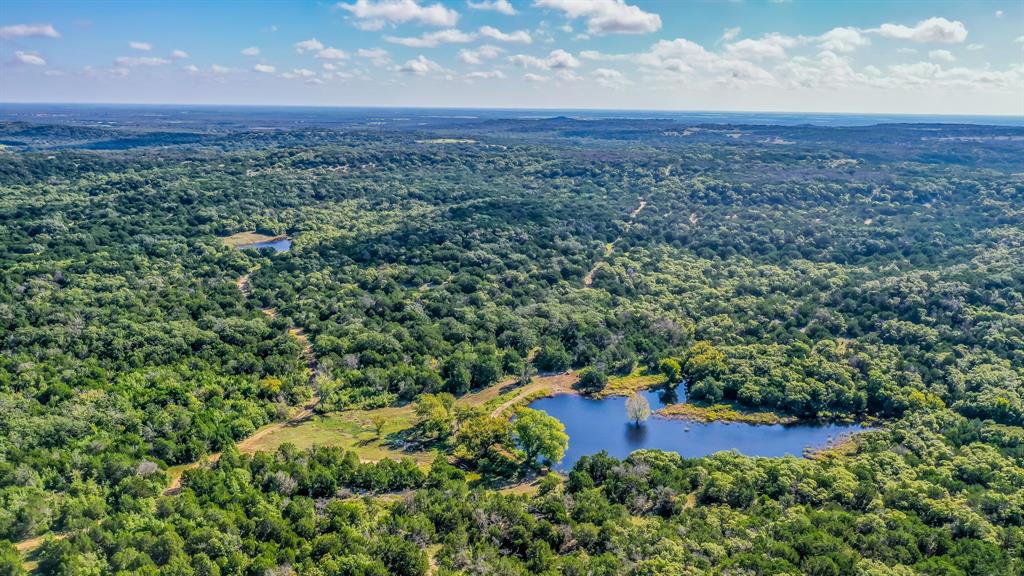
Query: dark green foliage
(859, 273)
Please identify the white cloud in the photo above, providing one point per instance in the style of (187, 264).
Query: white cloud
(218, 69)
(1019, 40)
(299, 73)
(975, 47)
(455, 36)
(477, 56)
(179, 54)
(607, 16)
(534, 78)
(730, 34)
(519, 36)
(143, 46)
(135, 61)
(264, 68)
(30, 58)
(376, 13)
(191, 69)
(610, 78)
(942, 55)
(420, 66)
(489, 75)
(311, 45)
(932, 30)
(251, 51)
(29, 30)
(378, 56)
(332, 53)
(556, 60)
(769, 47)
(432, 39)
(999, 13)
(843, 39)
(502, 6)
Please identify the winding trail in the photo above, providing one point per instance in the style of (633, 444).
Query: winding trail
(588, 280)
(247, 444)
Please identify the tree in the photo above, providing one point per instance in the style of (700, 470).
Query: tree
(378, 423)
(436, 414)
(539, 434)
(637, 408)
(672, 370)
(592, 380)
(552, 356)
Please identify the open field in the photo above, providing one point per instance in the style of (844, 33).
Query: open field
(722, 413)
(244, 238)
(639, 379)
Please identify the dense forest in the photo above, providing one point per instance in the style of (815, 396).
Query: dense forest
(870, 274)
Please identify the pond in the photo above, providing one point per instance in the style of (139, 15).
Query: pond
(279, 245)
(600, 424)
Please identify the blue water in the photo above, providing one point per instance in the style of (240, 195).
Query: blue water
(282, 245)
(600, 424)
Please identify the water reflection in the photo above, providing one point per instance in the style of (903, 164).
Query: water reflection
(280, 245)
(600, 424)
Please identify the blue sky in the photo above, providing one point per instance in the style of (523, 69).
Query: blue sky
(888, 56)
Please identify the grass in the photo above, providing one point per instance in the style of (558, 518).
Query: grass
(244, 238)
(351, 430)
(722, 413)
(639, 379)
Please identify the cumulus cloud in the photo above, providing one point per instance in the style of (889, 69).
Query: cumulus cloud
(455, 36)
(136, 61)
(769, 47)
(942, 55)
(489, 75)
(477, 56)
(264, 69)
(432, 39)
(378, 56)
(932, 30)
(556, 60)
(218, 69)
(502, 6)
(299, 73)
(420, 66)
(30, 58)
(311, 45)
(607, 16)
(843, 39)
(251, 51)
(28, 31)
(143, 46)
(519, 36)
(179, 54)
(534, 78)
(610, 78)
(730, 34)
(376, 13)
(332, 53)
(191, 69)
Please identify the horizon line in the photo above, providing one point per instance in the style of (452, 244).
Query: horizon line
(502, 108)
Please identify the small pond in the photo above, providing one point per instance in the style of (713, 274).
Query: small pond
(279, 245)
(600, 424)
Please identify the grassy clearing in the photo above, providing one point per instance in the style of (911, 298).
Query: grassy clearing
(722, 413)
(639, 379)
(351, 430)
(243, 238)
(841, 447)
